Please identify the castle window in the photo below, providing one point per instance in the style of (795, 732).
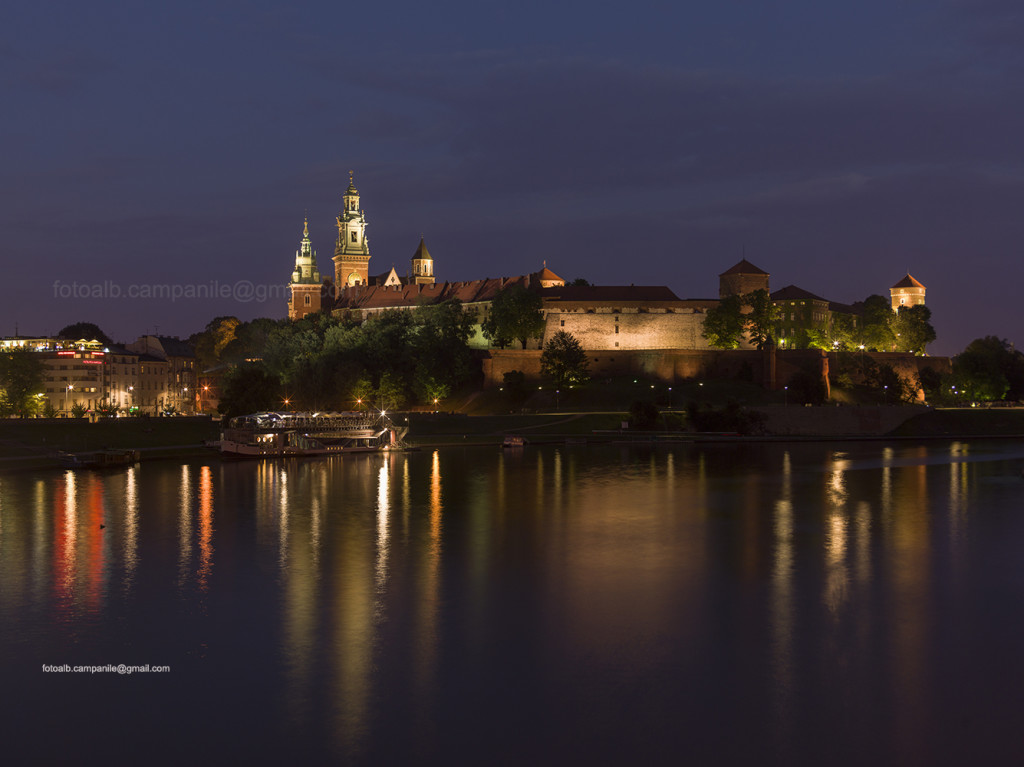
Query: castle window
(355, 237)
(616, 328)
(562, 324)
(306, 300)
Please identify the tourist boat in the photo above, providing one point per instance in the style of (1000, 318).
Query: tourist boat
(513, 441)
(267, 435)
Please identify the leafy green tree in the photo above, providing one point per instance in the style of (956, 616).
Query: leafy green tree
(564, 361)
(912, 328)
(762, 319)
(78, 410)
(49, 411)
(888, 386)
(724, 323)
(514, 385)
(515, 316)
(439, 348)
(836, 332)
(387, 392)
(249, 388)
(579, 282)
(87, 330)
(876, 329)
(989, 369)
(21, 378)
(250, 340)
(212, 340)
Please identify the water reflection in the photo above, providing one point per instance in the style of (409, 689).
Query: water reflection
(131, 527)
(184, 526)
(597, 585)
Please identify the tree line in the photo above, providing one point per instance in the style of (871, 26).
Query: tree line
(877, 328)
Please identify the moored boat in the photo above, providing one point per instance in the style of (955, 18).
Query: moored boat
(99, 459)
(267, 435)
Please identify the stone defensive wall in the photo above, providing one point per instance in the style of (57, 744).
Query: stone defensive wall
(772, 369)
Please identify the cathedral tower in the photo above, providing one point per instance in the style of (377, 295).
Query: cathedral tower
(305, 282)
(352, 250)
(907, 292)
(422, 265)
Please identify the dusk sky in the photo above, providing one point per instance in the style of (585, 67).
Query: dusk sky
(654, 143)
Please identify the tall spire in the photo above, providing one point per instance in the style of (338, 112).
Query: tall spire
(352, 248)
(305, 282)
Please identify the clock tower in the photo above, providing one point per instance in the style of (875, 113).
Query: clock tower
(352, 250)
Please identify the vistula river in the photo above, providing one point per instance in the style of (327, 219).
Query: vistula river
(799, 603)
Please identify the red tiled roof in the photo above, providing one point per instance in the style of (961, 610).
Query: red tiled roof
(743, 267)
(793, 293)
(908, 282)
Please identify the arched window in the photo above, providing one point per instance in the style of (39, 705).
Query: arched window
(306, 300)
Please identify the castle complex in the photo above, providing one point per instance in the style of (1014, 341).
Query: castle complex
(601, 318)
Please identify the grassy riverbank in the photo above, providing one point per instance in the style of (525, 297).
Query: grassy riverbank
(25, 438)
(33, 443)
(965, 422)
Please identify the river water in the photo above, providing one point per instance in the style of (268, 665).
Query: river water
(802, 603)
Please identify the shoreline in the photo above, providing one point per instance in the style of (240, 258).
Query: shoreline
(648, 439)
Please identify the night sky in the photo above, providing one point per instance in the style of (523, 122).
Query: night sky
(647, 142)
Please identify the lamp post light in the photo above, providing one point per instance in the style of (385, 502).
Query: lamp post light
(67, 389)
(785, 390)
(670, 398)
(886, 393)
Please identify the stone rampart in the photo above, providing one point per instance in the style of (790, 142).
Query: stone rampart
(671, 365)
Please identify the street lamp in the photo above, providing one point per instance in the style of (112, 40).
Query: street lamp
(670, 398)
(785, 390)
(67, 388)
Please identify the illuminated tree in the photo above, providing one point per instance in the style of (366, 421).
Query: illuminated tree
(876, 330)
(564, 362)
(515, 316)
(21, 379)
(762, 319)
(912, 328)
(723, 324)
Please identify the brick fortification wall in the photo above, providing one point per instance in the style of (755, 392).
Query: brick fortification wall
(630, 329)
(679, 364)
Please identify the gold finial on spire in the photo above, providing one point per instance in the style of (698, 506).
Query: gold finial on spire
(305, 225)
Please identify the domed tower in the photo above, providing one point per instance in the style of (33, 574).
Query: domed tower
(305, 284)
(422, 265)
(907, 292)
(742, 279)
(352, 250)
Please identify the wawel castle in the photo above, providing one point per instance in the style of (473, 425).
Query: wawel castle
(601, 318)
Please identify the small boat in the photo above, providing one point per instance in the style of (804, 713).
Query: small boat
(272, 434)
(99, 459)
(513, 441)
